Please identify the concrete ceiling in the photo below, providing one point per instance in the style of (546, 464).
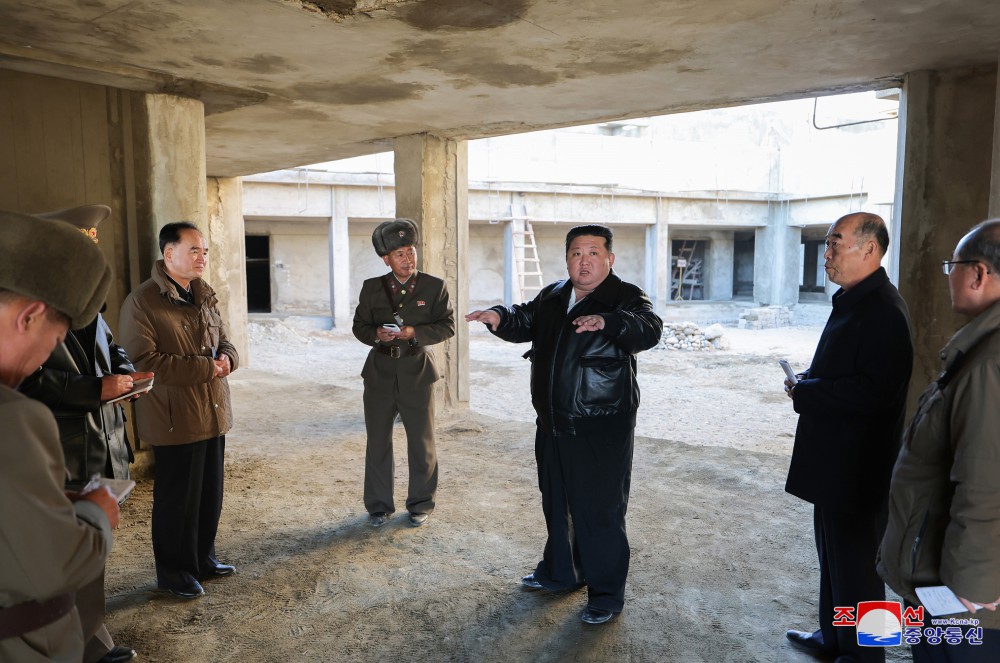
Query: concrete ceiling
(291, 82)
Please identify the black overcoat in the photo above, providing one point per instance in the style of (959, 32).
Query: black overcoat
(852, 400)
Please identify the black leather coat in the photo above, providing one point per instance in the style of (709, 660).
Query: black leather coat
(584, 381)
(69, 383)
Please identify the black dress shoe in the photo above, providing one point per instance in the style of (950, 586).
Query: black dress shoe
(190, 591)
(218, 571)
(809, 641)
(592, 615)
(118, 654)
(529, 582)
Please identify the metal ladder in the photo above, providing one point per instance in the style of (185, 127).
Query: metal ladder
(686, 271)
(529, 267)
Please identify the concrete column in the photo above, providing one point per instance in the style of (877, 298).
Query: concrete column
(509, 275)
(340, 263)
(170, 178)
(432, 189)
(775, 261)
(719, 272)
(660, 292)
(947, 170)
(517, 240)
(227, 258)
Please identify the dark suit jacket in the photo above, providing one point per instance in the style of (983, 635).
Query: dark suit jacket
(852, 401)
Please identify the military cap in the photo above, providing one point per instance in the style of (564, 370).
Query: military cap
(391, 235)
(52, 262)
(85, 218)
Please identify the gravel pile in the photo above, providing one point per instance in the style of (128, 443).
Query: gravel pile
(270, 331)
(689, 336)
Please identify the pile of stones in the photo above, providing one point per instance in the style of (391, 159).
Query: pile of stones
(765, 317)
(688, 336)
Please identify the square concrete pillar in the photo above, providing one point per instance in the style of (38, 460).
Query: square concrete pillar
(432, 189)
(658, 249)
(719, 267)
(169, 175)
(776, 261)
(340, 262)
(227, 258)
(947, 167)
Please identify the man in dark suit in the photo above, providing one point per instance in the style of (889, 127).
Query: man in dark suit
(401, 314)
(851, 403)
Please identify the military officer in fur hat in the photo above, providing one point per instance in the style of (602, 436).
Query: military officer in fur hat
(52, 279)
(77, 382)
(400, 315)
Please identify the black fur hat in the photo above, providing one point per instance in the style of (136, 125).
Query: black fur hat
(391, 235)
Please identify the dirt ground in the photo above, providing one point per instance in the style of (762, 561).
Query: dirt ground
(723, 559)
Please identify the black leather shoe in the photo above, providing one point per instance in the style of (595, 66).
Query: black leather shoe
(218, 571)
(596, 615)
(529, 582)
(809, 641)
(190, 591)
(418, 519)
(118, 654)
(378, 518)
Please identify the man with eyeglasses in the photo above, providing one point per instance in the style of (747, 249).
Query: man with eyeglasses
(944, 502)
(851, 402)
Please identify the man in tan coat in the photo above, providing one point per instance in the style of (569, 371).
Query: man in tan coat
(51, 278)
(944, 500)
(170, 325)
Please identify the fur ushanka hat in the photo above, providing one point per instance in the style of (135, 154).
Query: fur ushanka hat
(85, 218)
(53, 262)
(391, 235)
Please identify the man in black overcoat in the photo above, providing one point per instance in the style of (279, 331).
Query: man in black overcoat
(851, 403)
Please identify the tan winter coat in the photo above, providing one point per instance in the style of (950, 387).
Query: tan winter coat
(48, 545)
(177, 341)
(944, 501)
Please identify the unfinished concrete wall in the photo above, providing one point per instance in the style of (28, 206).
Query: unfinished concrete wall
(485, 264)
(227, 257)
(947, 166)
(60, 147)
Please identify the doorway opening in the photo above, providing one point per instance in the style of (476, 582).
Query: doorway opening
(258, 251)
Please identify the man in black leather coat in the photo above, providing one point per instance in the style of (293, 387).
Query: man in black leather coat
(584, 334)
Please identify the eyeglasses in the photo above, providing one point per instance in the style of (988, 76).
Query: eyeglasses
(948, 266)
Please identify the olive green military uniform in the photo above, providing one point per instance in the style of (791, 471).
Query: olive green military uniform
(399, 378)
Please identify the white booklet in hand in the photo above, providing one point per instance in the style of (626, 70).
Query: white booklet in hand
(940, 600)
(138, 387)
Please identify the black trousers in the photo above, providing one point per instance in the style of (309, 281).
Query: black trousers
(847, 544)
(585, 480)
(187, 504)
